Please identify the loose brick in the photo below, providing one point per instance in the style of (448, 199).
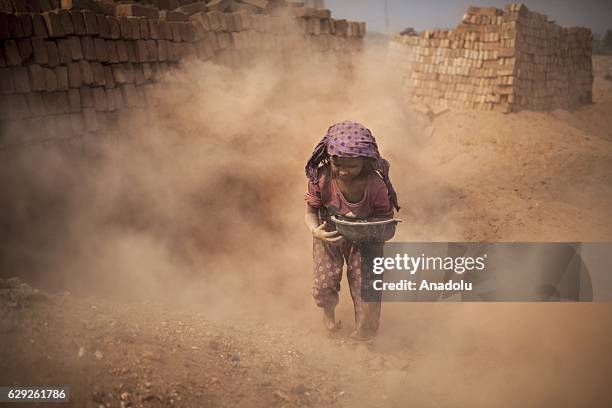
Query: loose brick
(11, 53)
(76, 51)
(86, 72)
(52, 53)
(74, 75)
(100, 103)
(192, 8)
(40, 50)
(74, 100)
(35, 103)
(137, 10)
(39, 26)
(91, 22)
(53, 24)
(103, 26)
(26, 24)
(87, 45)
(115, 28)
(87, 100)
(100, 49)
(25, 49)
(37, 77)
(50, 80)
(7, 85)
(63, 47)
(108, 74)
(66, 22)
(173, 15)
(61, 73)
(111, 49)
(218, 5)
(98, 74)
(121, 51)
(78, 22)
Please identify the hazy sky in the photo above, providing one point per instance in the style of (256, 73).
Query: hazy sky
(422, 14)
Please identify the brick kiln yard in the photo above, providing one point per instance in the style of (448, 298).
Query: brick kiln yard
(137, 307)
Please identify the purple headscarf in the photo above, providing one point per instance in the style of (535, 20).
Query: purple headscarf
(350, 139)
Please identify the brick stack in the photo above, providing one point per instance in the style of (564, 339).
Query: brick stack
(73, 67)
(505, 60)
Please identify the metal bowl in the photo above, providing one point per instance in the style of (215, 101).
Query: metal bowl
(372, 230)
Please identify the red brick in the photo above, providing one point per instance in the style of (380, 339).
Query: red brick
(74, 75)
(87, 100)
(40, 50)
(131, 52)
(78, 22)
(11, 53)
(162, 50)
(52, 53)
(25, 48)
(154, 29)
(103, 26)
(100, 48)
(147, 72)
(53, 24)
(87, 45)
(14, 26)
(100, 103)
(76, 52)
(137, 10)
(141, 51)
(151, 50)
(86, 72)
(39, 26)
(63, 47)
(134, 23)
(165, 31)
(7, 85)
(144, 28)
(61, 73)
(111, 49)
(66, 21)
(4, 31)
(50, 80)
(175, 29)
(37, 77)
(108, 74)
(98, 74)
(115, 28)
(119, 74)
(91, 22)
(121, 51)
(35, 103)
(74, 100)
(124, 27)
(138, 75)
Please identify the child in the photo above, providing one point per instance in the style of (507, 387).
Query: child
(346, 177)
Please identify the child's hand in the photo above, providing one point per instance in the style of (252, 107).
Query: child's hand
(327, 236)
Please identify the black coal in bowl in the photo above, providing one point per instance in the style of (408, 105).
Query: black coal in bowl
(369, 230)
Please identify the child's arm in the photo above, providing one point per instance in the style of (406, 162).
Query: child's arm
(318, 231)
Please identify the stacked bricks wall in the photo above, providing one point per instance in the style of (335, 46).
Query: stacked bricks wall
(72, 67)
(495, 59)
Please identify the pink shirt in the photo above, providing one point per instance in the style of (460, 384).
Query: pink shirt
(327, 194)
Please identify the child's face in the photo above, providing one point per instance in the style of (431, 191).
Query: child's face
(346, 168)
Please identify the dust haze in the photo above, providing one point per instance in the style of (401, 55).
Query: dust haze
(198, 205)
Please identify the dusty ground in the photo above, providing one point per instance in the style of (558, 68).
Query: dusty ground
(475, 176)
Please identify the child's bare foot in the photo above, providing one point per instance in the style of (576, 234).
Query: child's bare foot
(329, 319)
(362, 335)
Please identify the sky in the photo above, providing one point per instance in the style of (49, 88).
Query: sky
(422, 14)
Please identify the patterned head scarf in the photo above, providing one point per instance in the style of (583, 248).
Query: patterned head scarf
(350, 139)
